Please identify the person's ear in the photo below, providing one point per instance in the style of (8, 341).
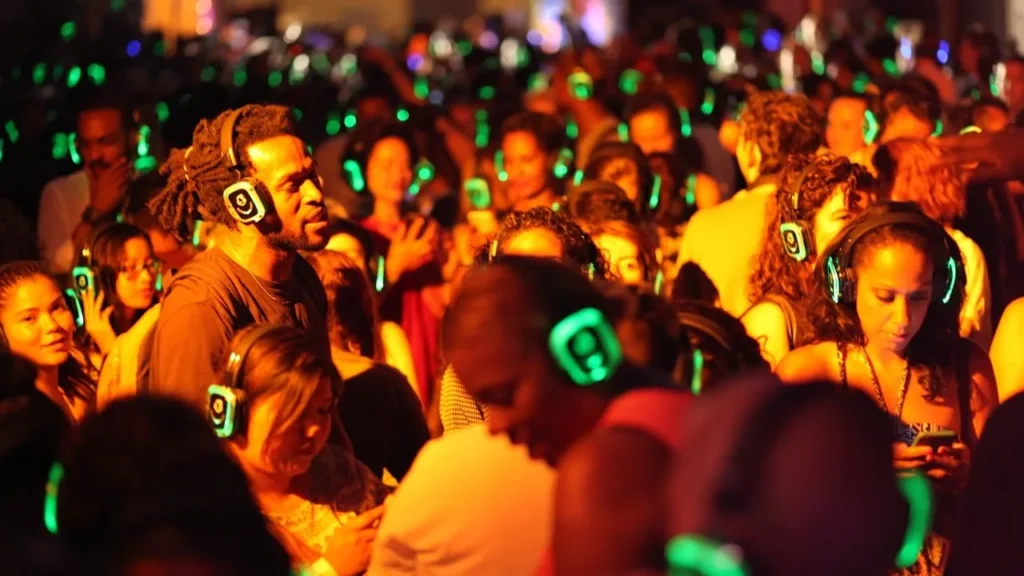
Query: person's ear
(755, 155)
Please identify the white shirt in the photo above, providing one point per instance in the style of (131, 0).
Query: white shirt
(60, 210)
(976, 316)
(472, 503)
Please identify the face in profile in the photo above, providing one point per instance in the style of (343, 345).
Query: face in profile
(389, 170)
(136, 281)
(894, 290)
(289, 173)
(37, 322)
(288, 450)
(526, 165)
(831, 218)
(845, 132)
(651, 130)
(623, 257)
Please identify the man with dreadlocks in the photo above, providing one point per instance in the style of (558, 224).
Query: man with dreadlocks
(248, 171)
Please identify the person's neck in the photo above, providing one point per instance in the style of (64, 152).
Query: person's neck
(253, 253)
(48, 382)
(269, 489)
(885, 357)
(386, 212)
(763, 180)
(545, 198)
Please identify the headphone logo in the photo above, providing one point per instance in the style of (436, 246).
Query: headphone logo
(793, 241)
(586, 347)
(242, 203)
(222, 409)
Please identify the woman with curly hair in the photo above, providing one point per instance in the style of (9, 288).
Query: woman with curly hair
(893, 287)
(818, 195)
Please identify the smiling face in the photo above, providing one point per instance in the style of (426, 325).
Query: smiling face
(289, 174)
(894, 290)
(37, 322)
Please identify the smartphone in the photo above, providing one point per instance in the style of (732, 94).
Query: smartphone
(935, 440)
(84, 278)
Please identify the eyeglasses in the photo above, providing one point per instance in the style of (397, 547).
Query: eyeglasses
(132, 271)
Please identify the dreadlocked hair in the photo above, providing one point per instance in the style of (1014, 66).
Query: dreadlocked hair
(197, 176)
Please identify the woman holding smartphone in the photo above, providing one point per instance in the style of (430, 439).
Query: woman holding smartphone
(891, 291)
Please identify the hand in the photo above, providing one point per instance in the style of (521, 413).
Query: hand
(97, 320)
(107, 187)
(950, 467)
(910, 457)
(407, 252)
(351, 546)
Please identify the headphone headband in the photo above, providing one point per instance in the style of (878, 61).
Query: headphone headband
(794, 191)
(227, 138)
(855, 233)
(706, 326)
(238, 353)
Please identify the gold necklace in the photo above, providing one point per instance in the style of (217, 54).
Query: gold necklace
(905, 384)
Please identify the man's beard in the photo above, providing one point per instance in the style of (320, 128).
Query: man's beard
(291, 242)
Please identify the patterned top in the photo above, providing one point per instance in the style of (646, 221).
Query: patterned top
(340, 488)
(458, 408)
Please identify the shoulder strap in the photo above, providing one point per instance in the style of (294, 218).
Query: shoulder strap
(789, 312)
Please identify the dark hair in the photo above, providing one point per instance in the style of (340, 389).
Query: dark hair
(547, 129)
(654, 331)
(284, 361)
(781, 124)
(610, 155)
(595, 201)
(654, 101)
(578, 248)
(197, 176)
(351, 311)
(738, 352)
(74, 378)
(140, 192)
(777, 273)
(17, 237)
(914, 95)
(350, 228)
(913, 171)
(675, 173)
(90, 98)
(107, 258)
(645, 245)
(147, 478)
(934, 348)
(361, 142)
(31, 429)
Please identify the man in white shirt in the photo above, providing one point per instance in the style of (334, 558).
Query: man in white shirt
(471, 504)
(724, 239)
(71, 205)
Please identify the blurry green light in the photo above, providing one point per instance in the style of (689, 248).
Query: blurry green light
(97, 73)
(333, 123)
(1, 150)
(483, 136)
(12, 132)
(709, 56)
(685, 124)
(774, 81)
(572, 130)
(145, 164)
(487, 93)
(39, 73)
(425, 171)
(163, 112)
(239, 78)
(117, 5)
(818, 64)
(629, 81)
(747, 37)
(708, 105)
(321, 63)
(275, 78)
(73, 148)
(67, 31)
(74, 75)
(890, 66)
(421, 88)
(208, 74)
(350, 120)
(159, 49)
(464, 47)
(860, 83)
(60, 146)
(144, 134)
(402, 115)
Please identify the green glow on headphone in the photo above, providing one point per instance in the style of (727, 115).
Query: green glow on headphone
(355, 175)
(421, 88)
(577, 178)
(74, 75)
(685, 125)
(572, 130)
(163, 112)
(487, 93)
(694, 554)
(871, 126)
(629, 81)
(938, 129)
(143, 147)
(708, 105)
(691, 190)
(655, 193)
(697, 379)
(402, 115)
(623, 130)
(73, 148)
(39, 73)
(951, 273)
(350, 119)
(499, 165)
(197, 232)
(50, 503)
(581, 85)
(860, 83)
(378, 282)
(970, 130)
(333, 126)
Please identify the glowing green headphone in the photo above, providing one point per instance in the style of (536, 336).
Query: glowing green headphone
(560, 167)
(585, 346)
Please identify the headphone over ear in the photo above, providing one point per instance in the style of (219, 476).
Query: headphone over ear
(226, 402)
(707, 553)
(585, 346)
(561, 163)
(797, 240)
(837, 265)
(247, 200)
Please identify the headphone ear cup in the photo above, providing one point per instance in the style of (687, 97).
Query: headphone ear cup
(354, 175)
(917, 491)
(703, 556)
(245, 201)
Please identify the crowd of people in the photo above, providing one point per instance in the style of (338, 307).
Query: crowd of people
(686, 323)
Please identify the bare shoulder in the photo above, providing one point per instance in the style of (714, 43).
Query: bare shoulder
(809, 363)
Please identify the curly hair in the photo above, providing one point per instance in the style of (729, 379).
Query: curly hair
(578, 248)
(198, 175)
(781, 124)
(823, 175)
(738, 351)
(76, 379)
(596, 201)
(913, 171)
(932, 351)
(646, 246)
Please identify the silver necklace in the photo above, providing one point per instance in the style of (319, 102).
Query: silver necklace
(255, 279)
